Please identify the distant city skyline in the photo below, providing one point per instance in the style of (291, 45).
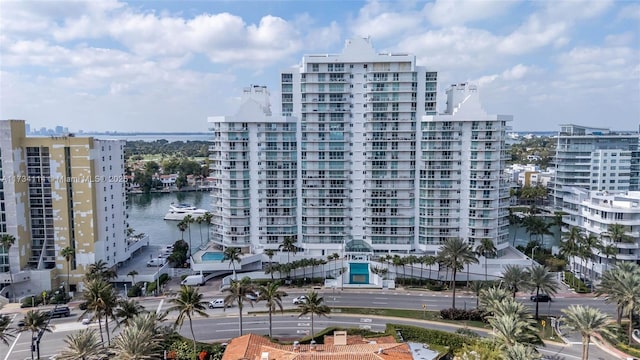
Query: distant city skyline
(165, 66)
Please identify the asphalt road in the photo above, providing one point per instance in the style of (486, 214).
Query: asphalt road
(289, 325)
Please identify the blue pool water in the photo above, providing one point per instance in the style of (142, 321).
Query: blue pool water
(212, 256)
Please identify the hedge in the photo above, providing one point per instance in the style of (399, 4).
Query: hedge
(580, 287)
(429, 336)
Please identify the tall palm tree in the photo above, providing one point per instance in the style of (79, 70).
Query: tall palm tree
(515, 278)
(206, 218)
(133, 274)
(485, 249)
(587, 321)
(272, 296)
(314, 305)
(233, 255)
(7, 241)
(429, 261)
(570, 245)
(289, 245)
(83, 344)
(514, 221)
(188, 302)
(127, 310)
(456, 253)
(189, 220)
(541, 279)
(622, 286)
(618, 233)
(239, 292)
(68, 253)
(6, 333)
(182, 226)
(609, 251)
(101, 301)
(35, 321)
(199, 220)
(586, 248)
(477, 287)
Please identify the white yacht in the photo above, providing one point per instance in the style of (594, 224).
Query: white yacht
(179, 211)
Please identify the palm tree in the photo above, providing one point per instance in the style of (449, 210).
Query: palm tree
(570, 245)
(206, 218)
(188, 303)
(520, 351)
(7, 241)
(139, 341)
(314, 305)
(515, 278)
(586, 248)
(237, 293)
(101, 299)
(492, 297)
(587, 321)
(622, 286)
(199, 220)
(618, 233)
(127, 310)
(476, 287)
(182, 226)
(100, 270)
(133, 274)
(68, 253)
(542, 280)
(486, 248)
(83, 344)
(233, 255)
(35, 321)
(6, 333)
(511, 329)
(289, 245)
(456, 253)
(514, 221)
(609, 251)
(272, 296)
(429, 261)
(189, 220)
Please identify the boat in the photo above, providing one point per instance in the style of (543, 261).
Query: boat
(179, 211)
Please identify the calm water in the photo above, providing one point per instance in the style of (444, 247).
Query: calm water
(146, 215)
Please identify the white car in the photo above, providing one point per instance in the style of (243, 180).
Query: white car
(253, 296)
(299, 300)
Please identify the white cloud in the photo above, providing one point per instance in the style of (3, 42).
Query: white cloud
(631, 11)
(382, 20)
(533, 34)
(459, 12)
(515, 73)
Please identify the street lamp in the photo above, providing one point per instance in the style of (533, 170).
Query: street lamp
(533, 252)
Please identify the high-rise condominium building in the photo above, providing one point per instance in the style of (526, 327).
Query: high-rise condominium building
(595, 159)
(359, 160)
(59, 192)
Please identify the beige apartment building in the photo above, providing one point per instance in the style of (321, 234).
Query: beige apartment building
(58, 192)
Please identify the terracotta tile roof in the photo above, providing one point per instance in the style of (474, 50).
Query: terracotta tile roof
(251, 347)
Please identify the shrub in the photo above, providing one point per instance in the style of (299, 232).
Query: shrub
(459, 314)
(134, 291)
(467, 332)
(580, 287)
(429, 336)
(630, 350)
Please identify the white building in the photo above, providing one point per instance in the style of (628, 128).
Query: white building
(594, 212)
(359, 162)
(595, 159)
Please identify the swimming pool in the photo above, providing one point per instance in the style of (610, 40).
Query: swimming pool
(212, 256)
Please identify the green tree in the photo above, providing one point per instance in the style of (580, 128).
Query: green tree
(68, 253)
(133, 274)
(315, 306)
(233, 255)
(182, 226)
(618, 234)
(189, 220)
(270, 254)
(6, 333)
(289, 245)
(455, 254)
(188, 303)
(35, 321)
(139, 341)
(101, 301)
(570, 245)
(515, 278)
(541, 279)
(492, 297)
(240, 291)
(587, 321)
(486, 248)
(429, 261)
(83, 344)
(272, 296)
(7, 241)
(100, 270)
(621, 285)
(520, 351)
(127, 310)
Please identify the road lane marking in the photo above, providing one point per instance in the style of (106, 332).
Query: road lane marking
(12, 345)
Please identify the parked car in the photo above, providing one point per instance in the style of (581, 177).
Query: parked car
(540, 298)
(60, 312)
(299, 300)
(253, 296)
(155, 262)
(216, 303)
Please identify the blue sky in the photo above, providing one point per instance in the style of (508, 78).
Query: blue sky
(167, 65)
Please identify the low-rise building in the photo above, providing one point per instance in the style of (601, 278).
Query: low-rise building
(596, 212)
